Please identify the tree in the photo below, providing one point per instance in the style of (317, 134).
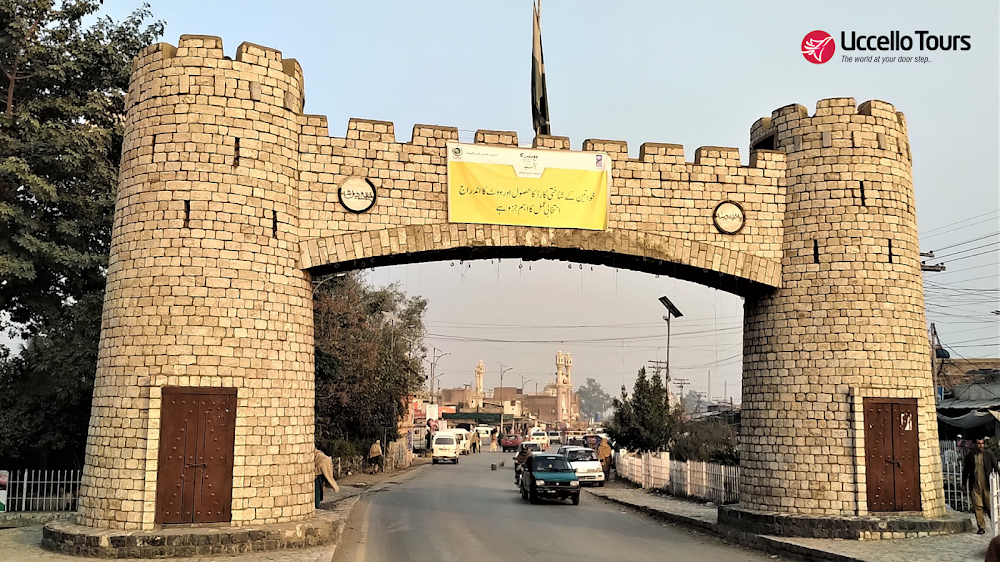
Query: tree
(62, 89)
(368, 343)
(45, 392)
(709, 440)
(645, 421)
(593, 399)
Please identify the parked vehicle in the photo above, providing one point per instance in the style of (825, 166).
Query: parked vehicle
(484, 432)
(444, 447)
(510, 442)
(464, 444)
(549, 476)
(539, 436)
(585, 462)
(554, 437)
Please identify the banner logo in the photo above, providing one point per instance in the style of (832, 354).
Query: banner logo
(818, 47)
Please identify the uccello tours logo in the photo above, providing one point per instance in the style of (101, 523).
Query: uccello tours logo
(818, 47)
(890, 47)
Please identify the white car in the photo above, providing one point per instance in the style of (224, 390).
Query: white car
(584, 461)
(539, 436)
(444, 447)
(554, 437)
(464, 443)
(484, 432)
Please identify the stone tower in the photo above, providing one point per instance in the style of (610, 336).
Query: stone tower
(845, 332)
(203, 285)
(563, 387)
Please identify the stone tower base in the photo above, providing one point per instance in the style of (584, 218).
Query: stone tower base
(870, 527)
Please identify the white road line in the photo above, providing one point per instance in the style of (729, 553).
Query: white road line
(361, 552)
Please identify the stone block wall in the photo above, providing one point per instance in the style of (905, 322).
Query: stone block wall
(204, 287)
(848, 320)
(228, 199)
(657, 195)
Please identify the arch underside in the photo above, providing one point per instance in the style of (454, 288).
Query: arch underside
(729, 270)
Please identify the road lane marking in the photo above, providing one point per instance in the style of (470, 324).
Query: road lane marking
(362, 550)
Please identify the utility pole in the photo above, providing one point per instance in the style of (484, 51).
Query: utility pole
(709, 392)
(681, 383)
(434, 362)
(935, 342)
(657, 366)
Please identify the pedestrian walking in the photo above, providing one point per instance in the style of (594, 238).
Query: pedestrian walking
(324, 472)
(474, 441)
(976, 470)
(493, 441)
(375, 457)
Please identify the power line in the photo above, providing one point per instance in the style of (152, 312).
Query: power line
(969, 268)
(966, 241)
(973, 255)
(948, 256)
(948, 226)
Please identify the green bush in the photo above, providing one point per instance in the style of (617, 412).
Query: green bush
(341, 448)
(706, 441)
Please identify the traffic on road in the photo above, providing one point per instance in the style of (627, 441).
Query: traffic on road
(529, 502)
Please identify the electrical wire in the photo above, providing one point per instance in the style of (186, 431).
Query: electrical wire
(948, 227)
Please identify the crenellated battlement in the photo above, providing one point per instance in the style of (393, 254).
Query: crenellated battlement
(838, 123)
(198, 65)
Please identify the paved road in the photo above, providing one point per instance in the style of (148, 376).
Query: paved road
(468, 512)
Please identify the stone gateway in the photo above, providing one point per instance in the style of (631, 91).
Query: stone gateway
(231, 199)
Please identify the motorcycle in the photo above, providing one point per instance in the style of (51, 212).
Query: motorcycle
(518, 469)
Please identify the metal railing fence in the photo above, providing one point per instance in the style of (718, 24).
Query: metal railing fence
(43, 490)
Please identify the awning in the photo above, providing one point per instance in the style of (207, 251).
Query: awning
(970, 420)
(968, 404)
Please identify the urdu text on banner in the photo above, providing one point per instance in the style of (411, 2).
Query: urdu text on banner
(528, 187)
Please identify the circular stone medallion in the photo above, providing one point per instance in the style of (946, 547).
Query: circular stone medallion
(357, 195)
(729, 217)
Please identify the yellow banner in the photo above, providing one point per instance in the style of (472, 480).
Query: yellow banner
(526, 187)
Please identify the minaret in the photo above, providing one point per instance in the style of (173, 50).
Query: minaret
(477, 398)
(568, 389)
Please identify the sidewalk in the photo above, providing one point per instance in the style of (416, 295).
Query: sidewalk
(22, 544)
(967, 547)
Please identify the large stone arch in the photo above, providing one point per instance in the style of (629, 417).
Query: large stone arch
(731, 270)
(227, 205)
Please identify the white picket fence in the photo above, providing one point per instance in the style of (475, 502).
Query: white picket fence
(701, 480)
(43, 490)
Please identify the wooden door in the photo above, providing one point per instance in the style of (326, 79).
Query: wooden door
(891, 454)
(195, 473)
(906, 474)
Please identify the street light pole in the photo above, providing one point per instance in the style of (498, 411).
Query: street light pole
(433, 363)
(502, 371)
(671, 311)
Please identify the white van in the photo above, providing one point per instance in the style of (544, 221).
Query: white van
(464, 444)
(444, 447)
(584, 461)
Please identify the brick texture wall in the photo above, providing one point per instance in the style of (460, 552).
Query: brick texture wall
(228, 200)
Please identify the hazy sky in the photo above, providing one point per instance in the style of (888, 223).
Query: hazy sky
(692, 73)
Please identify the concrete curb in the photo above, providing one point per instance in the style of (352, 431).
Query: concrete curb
(342, 508)
(770, 545)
